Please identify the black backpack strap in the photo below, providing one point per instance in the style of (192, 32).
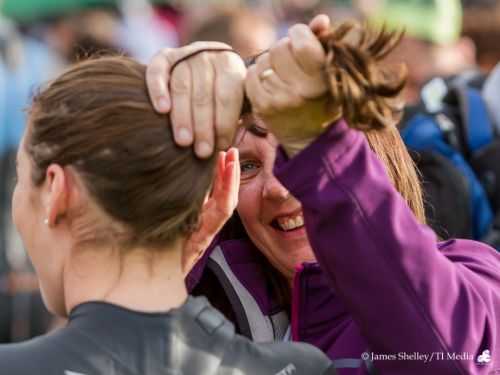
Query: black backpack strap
(476, 126)
(493, 236)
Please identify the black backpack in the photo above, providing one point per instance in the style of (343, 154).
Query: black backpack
(456, 146)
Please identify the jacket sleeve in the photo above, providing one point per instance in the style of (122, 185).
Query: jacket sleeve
(409, 294)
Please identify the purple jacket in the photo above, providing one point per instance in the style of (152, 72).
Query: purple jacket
(383, 285)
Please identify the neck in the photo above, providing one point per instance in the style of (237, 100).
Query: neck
(138, 279)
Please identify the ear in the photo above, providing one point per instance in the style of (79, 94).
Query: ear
(56, 192)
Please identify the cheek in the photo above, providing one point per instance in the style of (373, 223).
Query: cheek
(21, 211)
(249, 203)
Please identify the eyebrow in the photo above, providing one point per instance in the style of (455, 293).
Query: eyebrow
(245, 153)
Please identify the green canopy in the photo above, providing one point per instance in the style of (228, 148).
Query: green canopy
(25, 11)
(437, 21)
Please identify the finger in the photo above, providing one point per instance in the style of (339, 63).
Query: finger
(226, 192)
(230, 75)
(158, 71)
(202, 104)
(282, 95)
(320, 24)
(219, 174)
(227, 196)
(261, 99)
(283, 62)
(307, 49)
(180, 116)
(157, 78)
(287, 68)
(235, 171)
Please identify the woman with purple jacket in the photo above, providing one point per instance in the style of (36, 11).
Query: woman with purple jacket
(329, 244)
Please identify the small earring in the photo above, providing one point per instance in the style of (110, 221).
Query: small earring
(46, 221)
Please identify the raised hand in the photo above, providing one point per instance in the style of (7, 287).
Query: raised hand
(204, 93)
(217, 209)
(287, 86)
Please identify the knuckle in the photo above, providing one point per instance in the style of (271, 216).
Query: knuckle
(180, 82)
(201, 96)
(282, 44)
(303, 50)
(179, 86)
(231, 63)
(153, 71)
(225, 99)
(202, 57)
(233, 79)
(164, 52)
(229, 93)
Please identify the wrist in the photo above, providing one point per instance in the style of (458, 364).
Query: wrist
(293, 148)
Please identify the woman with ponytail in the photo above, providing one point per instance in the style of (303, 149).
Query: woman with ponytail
(328, 241)
(104, 203)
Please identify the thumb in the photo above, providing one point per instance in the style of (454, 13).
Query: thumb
(320, 24)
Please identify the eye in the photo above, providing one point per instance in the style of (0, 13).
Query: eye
(249, 168)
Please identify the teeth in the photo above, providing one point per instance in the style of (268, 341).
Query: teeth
(299, 221)
(290, 223)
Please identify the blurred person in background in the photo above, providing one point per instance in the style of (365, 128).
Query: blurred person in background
(448, 124)
(432, 45)
(247, 30)
(25, 62)
(482, 24)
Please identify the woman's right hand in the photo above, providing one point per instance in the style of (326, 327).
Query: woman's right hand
(216, 210)
(204, 94)
(288, 86)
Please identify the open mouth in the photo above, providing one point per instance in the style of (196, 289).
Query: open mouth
(288, 223)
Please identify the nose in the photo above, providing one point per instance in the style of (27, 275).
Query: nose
(273, 189)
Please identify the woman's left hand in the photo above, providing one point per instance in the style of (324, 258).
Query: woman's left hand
(287, 87)
(216, 210)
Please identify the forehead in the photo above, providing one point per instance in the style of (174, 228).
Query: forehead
(247, 141)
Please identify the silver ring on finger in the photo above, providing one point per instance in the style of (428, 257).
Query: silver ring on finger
(266, 73)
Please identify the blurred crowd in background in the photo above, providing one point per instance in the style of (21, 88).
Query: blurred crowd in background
(38, 38)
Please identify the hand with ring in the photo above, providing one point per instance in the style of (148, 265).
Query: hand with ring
(287, 86)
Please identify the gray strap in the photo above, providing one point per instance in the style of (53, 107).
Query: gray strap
(260, 325)
(355, 363)
(281, 326)
(347, 363)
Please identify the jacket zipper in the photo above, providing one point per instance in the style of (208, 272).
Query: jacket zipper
(296, 303)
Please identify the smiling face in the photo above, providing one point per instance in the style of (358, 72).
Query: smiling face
(272, 217)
